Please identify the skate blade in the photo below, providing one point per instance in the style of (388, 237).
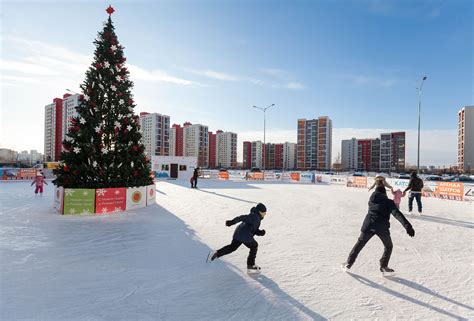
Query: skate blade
(344, 268)
(254, 271)
(209, 256)
(388, 274)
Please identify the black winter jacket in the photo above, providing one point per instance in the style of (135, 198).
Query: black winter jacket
(249, 226)
(415, 184)
(378, 217)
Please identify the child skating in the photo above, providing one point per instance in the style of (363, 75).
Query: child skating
(39, 181)
(377, 223)
(244, 234)
(397, 197)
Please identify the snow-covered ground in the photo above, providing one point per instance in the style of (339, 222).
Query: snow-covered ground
(149, 264)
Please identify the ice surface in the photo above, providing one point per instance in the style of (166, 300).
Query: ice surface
(149, 264)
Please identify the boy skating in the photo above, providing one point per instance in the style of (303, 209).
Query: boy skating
(244, 234)
(377, 223)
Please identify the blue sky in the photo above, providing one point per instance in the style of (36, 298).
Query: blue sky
(359, 62)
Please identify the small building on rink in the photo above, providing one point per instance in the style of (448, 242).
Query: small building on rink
(174, 167)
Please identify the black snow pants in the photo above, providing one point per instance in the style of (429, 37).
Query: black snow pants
(253, 246)
(364, 238)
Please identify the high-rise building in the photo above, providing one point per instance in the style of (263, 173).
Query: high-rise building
(349, 154)
(398, 151)
(314, 143)
(373, 154)
(155, 129)
(226, 143)
(273, 156)
(247, 155)
(466, 139)
(176, 139)
(69, 111)
(213, 149)
(289, 155)
(53, 128)
(196, 143)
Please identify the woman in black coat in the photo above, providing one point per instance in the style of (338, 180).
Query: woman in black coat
(377, 223)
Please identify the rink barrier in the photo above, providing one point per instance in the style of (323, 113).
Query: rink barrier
(100, 201)
(457, 191)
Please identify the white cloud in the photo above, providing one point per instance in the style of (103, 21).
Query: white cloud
(438, 147)
(295, 85)
(138, 73)
(213, 74)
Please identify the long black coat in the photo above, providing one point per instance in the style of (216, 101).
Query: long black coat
(249, 226)
(378, 217)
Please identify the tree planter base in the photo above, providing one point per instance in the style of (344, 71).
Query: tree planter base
(79, 201)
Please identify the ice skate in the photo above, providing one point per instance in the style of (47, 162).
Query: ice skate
(211, 256)
(386, 271)
(345, 267)
(253, 269)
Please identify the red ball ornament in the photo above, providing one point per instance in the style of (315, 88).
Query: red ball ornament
(125, 130)
(93, 103)
(135, 148)
(135, 173)
(123, 59)
(101, 172)
(130, 101)
(119, 94)
(98, 65)
(81, 97)
(66, 168)
(75, 172)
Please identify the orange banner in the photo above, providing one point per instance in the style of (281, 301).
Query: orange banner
(295, 177)
(357, 181)
(450, 190)
(224, 175)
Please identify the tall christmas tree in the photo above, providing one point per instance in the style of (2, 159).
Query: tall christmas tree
(103, 148)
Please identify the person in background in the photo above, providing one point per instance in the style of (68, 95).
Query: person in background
(397, 197)
(39, 181)
(194, 179)
(415, 186)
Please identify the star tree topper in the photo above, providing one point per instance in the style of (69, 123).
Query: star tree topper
(110, 10)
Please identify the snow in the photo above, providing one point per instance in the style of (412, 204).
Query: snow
(149, 264)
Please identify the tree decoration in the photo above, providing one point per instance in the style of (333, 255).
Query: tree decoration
(103, 135)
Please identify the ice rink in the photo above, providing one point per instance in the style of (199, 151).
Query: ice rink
(149, 264)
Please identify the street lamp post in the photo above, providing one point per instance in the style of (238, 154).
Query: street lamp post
(264, 125)
(419, 118)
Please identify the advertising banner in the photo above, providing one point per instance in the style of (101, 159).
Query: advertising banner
(450, 191)
(322, 179)
(59, 199)
(357, 181)
(213, 174)
(295, 176)
(469, 192)
(270, 176)
(237, 175)
(400, 184)
(338, 180)
(150, 195)
(79, 201)
(27, 173)
(162, 175)
(224, 176)
(306, 177)
(110, 200)
(136, 197)
(257, 176)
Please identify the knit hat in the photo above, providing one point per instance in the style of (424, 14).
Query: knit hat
(261, 208)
